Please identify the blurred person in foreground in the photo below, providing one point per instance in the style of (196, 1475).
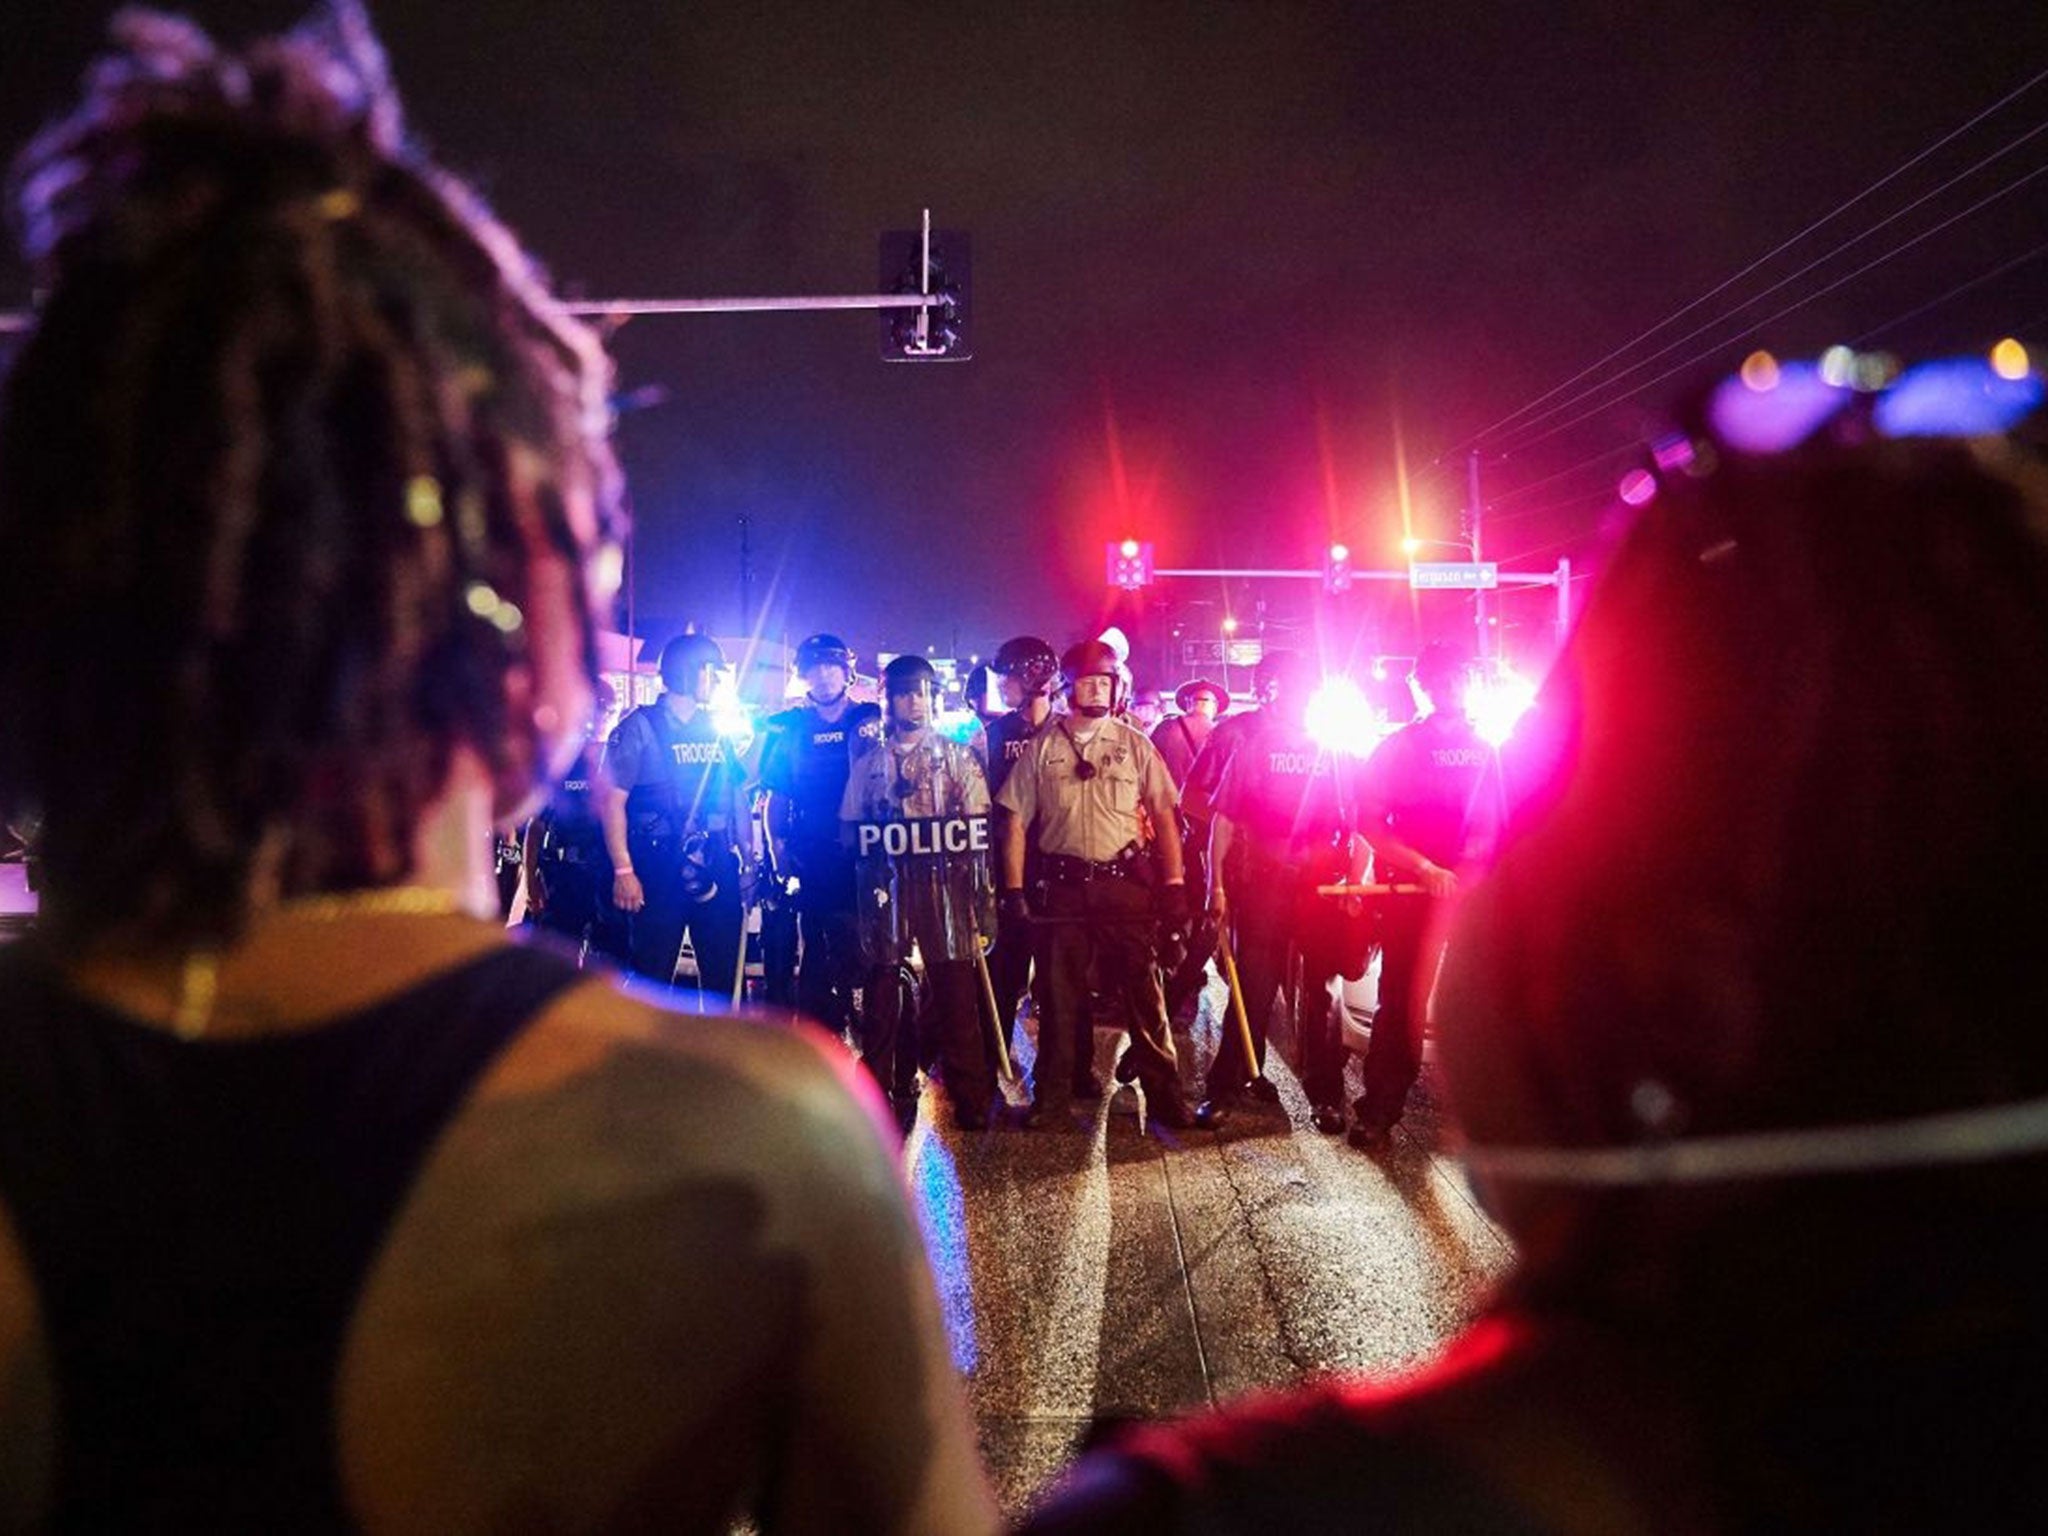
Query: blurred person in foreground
(324, 1205)
(1745, 1033)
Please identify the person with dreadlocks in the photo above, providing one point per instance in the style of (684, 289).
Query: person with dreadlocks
(324, 1204)
(1757, 1085)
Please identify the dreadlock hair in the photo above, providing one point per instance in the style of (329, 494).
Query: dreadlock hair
(295, 426)
(1782, 883)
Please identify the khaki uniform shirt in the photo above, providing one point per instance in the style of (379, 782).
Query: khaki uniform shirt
(1077, 818)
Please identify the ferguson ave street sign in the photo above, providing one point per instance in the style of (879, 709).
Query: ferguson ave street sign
(1470, 575)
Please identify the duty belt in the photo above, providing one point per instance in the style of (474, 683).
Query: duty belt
(1062, 869)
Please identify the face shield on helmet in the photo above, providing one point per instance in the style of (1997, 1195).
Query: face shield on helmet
(690, 666)
(1092, 659)
(1440, 676)
(1283, 678)
(825, 663)
(1027, 665)
(910, 691)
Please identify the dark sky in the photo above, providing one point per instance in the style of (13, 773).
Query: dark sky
(1223, 254)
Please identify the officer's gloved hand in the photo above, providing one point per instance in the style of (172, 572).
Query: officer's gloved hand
(1016, 906)
(1170, 902)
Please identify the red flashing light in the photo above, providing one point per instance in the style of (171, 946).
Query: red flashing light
(1130, 565)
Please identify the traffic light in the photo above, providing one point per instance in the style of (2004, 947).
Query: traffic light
(937, 334)
(1337, 569)
(1130, 565)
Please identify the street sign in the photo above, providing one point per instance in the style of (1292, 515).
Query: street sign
(1245, 653)
(1463, 575)
(1201, 653)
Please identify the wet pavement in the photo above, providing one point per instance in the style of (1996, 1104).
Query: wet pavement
(1112, 1273)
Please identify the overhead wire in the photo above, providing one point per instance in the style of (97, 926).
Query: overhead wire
(1797, 304)
(1785, 282)
(1956, 292)
(1766, 258)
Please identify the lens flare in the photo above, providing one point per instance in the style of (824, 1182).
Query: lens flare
(729, 716)
(1498, 703)
(2009, 360)
(1341, 719)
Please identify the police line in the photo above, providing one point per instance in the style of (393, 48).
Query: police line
(922, 837)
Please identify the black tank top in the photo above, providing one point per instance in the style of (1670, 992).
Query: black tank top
(199, 1218)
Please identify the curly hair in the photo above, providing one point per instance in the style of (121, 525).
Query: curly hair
(294, 427)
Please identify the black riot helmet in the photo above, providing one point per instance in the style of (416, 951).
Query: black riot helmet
(823, 651)
(909, 675)
(1442, 672)
(1093, 658)
(980, 693)
(1282, 675)
(1030, 660)
(690, 664)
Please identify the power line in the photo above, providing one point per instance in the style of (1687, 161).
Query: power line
(1763, 260)
(1583, 464)
(1797, 304)
(1571, 504)
(1786, 282)
(1956, 292)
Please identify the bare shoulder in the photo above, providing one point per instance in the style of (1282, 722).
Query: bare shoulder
(623, 1243)
(697, 1082)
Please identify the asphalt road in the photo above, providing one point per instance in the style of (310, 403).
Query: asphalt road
(1114, 1273)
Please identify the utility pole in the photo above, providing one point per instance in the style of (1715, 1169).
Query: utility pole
(746, 578)
(1472, 528)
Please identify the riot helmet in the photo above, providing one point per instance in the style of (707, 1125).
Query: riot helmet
(822, 650)
(1441, 673)
(1092, 658)
(910, 677)
(1282, 675)
(1030, 661)
(981, 693)
(690, 664)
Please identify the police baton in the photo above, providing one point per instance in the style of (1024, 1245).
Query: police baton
(1004, 1068)
(1244, 1025)
(1371, 890)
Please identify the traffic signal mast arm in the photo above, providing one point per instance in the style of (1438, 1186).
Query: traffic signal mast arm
(600, 308)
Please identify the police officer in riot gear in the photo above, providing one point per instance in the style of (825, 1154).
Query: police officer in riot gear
(804, 758)
(1285, 823)
(915, 818)
(568, 874)
(1430, 803)
(1276, 672)
(1026, 668)
(1079, 785)
(672, 800)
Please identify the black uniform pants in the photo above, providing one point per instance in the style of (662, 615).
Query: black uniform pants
(778, 953)
(713, 926)
(1100, 930)
(1277, 917)
(1407, 972)
(1188, 978)
(890, 1042)
(1010, 966)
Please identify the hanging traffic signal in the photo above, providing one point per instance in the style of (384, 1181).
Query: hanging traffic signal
(1130, 565)
(926, 261)
(1337, 568)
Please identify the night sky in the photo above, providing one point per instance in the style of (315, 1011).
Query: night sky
(1224, 257)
